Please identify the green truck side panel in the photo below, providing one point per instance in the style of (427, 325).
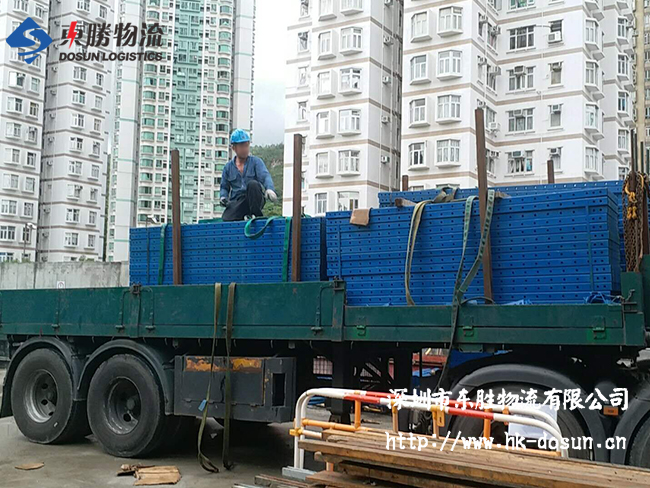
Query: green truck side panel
(317, 311)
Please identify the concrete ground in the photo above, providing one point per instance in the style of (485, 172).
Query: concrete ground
(262, 450)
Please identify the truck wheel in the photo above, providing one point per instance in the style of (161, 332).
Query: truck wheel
(568, 423)
(42, 395)
(640, 448)
(125, 407)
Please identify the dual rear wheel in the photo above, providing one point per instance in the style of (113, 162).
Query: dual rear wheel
(124, 407)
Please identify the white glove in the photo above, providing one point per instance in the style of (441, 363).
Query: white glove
(271, 195)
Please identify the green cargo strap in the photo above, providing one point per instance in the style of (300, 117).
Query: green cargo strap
(204, 461)
(287, 256)
(259, 233)
(227, 463)
(461, 287)
(161, 256)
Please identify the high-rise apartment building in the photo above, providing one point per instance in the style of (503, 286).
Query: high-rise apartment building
(22, 89)
(189, 101)
(343, 95)
(555, 79)
(76, 118)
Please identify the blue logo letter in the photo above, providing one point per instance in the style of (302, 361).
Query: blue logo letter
(17, 39)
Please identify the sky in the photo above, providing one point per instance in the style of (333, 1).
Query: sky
(270, 65)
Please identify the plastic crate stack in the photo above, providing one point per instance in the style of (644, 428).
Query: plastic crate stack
(546, 248)
(387, 199)
(221, 253)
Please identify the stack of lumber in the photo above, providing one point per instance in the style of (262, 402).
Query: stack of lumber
(387, 199)
(361, 460)
(546, 248)
(221, 253)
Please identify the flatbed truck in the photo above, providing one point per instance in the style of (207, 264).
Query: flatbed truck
(133, 364)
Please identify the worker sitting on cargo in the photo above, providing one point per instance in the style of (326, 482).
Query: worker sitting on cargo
(245, 182)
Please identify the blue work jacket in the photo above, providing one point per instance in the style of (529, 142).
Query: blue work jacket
(233, 183)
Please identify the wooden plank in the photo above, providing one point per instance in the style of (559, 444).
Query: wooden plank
(502, 469)
(405, 183)
(296, 222)
(550, 168)
(342, 480)
(404, 477)
(269, 481)
(482, 196)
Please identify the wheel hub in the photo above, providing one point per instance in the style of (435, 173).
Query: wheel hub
(123, 406)
(41, 396)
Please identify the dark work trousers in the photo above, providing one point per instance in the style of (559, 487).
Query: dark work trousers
(250, 202)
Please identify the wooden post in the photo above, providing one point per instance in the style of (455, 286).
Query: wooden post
(405, 183)
(296, 222)
(550, 166)
(176, 219)
(482, 195)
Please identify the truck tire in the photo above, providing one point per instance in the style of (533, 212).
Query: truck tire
(640, 447)
(42, 402)
(126, 408)
(569, 425)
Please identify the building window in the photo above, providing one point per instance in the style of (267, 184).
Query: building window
(592, 32)
(591, 116)
(325, 44)
(97, 125)
(623, 65)
(94, 172)
(79, 73)
(623, 102)
(96, 148)
(350, 121)
(92, 218)
(76, 144)
(32, 134)
(13, 130)
(33, 109)
(521, 4)
(9, 207)
(555, 116)
(91, 241)
(351, 39)
(591, 73)
(302, 76)
(520, 162)
(351, 80)
(520, 120)
(351, 5)
(321, 203)
(621, 27)
(323, 124)
(348, 200)
(448, 107)
(31, 160)
(78, 120)
(304, 8)
(349, 162)
(418, 111)
(72, 215)
(591, 159)
(417, 154)
(71, 239)
(15, 105)
(521, 78)
(522, 38)
(623, 172)
(79, 97)
(10, 182)
(75, 168)
(7, 233)
(623, 139)
(12, 156)
(324, 83)
(302, 111)
(448, 151)
(28, 209)
(449, 63)
(303, 42)
(99, 102)
(420, 26)
(30, 184)
(451, 20)
(556, 73)
(419, 68)
(17, 80)
(74, 191)
(326, 7)
(323, 164)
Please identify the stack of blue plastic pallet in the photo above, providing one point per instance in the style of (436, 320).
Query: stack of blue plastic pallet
(546, 248)
(221, 253)
(387, 199)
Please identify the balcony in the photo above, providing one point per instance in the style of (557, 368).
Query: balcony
(594, 44)
(595, 8)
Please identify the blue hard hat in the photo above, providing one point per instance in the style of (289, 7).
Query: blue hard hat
(238, 136)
